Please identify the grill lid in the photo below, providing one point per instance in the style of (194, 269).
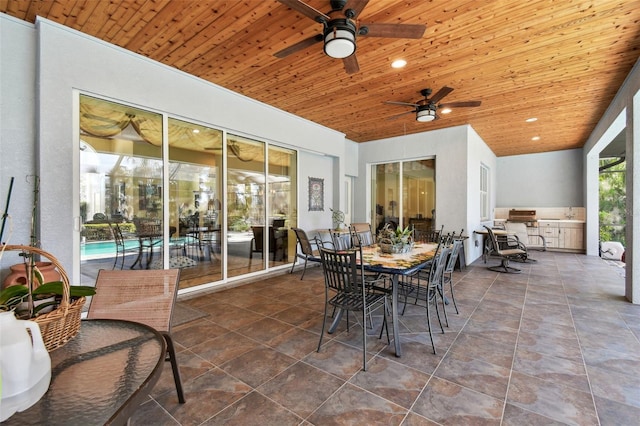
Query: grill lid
(522, 215)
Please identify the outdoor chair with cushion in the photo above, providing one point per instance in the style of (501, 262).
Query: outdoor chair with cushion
(505, 253)
(518, 237)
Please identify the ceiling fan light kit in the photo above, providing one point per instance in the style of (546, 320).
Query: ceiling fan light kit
(425, 113)
(340, 38)
(341, 27)
(426, 108)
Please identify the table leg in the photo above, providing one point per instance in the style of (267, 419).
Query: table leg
(394, 314)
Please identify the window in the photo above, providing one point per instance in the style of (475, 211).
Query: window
(484, 192)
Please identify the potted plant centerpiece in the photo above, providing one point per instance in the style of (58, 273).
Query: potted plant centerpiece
(399, 240)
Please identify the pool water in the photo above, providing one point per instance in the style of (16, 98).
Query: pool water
(103, 249)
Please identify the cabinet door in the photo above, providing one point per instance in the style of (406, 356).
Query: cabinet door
(550, 232)
(571, 238)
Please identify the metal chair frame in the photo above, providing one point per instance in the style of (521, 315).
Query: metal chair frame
(345, 280)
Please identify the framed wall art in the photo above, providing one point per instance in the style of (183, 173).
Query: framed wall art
(316, 194)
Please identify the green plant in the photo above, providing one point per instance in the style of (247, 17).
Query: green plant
(395, 236)
(16, 297)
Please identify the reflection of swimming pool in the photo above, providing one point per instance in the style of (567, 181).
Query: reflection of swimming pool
(103, 249)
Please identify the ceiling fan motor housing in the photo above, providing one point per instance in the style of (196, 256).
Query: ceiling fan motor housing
(340, 38)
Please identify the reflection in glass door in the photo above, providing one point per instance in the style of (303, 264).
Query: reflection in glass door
(195, 202)
(121, 173)
(405, 201)
(282, 178)
(246, 241)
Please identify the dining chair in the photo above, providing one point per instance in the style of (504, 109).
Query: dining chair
(346, 291)
(505, 254)
(149, 233)
(257, 242)
(447, 274)
(433, 289)
(340, 239)
(144, 296)
(121, 247)
(306, 246)
(363, 232)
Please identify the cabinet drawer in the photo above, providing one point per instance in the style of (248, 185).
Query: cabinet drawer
(543, 225)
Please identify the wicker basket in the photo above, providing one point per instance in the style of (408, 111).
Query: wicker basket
(62, 324)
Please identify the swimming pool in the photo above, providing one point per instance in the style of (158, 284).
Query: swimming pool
(103, 249)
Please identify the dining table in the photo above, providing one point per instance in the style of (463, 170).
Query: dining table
(396, 265)
(101, 376)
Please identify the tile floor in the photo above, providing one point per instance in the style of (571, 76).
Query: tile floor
(557, 344)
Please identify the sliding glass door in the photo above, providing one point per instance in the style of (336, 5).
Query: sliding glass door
(223, 209)
(403, 194)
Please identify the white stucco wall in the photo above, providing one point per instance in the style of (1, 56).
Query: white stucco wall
(478, 153)
(548, 179)
(17, 125)
(315, 166)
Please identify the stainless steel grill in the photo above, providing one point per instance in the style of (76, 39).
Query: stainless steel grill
(527, 216)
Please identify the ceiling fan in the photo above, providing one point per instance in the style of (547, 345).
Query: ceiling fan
(426, 108)
(341, 29)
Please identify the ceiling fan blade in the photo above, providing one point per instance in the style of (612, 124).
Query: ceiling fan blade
(351, 64)
(305, 9)
(395, 117)
(356, 6)
(440, 94)
(401, 103)
(298, 46)
(460, 104)
(394, 30)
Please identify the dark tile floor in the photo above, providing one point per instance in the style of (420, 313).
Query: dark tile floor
(557, 344)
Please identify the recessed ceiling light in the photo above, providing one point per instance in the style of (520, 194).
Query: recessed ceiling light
(445, 110)
(531, 120)
(196, 131)
(535, 138)
(398, 63)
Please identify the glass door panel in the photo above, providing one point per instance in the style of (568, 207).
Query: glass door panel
(121, 173)
(418, 198)
(246, 210)
(386, 194)
(282, 186)
(195, 206)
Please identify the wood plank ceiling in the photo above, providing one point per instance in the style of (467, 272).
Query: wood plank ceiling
(561, 61)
